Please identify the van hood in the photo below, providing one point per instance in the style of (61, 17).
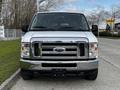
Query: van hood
(58, 34)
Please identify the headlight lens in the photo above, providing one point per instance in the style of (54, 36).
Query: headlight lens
(93, 50)
(25, 50)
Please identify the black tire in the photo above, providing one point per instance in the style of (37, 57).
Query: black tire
(91, 75)
(26, 75)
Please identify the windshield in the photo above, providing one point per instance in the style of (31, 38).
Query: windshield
(59, 22)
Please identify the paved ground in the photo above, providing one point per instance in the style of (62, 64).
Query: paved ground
(110, 50)
(108, 78)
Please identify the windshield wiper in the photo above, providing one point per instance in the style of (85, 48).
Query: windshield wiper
(69, 28)
(41, 28)
(66, 27)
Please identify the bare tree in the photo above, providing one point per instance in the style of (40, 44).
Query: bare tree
(15, 13)
(46, 5)
(116, 11)
(98, 16)
(0, 5)
(0, 9)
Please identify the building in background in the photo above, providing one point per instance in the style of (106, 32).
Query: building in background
(117, 25)
(2, 32)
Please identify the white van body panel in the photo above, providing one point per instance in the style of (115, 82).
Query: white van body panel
(59, 34)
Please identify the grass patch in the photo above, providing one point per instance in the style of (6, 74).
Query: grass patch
(9, 58)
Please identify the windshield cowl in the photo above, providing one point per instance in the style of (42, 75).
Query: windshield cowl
(34, 29)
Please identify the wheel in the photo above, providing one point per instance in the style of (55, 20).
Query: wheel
(26, 75)
(91, 75)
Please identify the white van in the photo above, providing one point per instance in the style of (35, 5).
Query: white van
(59, 43)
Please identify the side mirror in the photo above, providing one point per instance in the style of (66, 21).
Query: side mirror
(25, 28)
(95, 30)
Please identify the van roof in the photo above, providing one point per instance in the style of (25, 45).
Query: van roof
(60, 12)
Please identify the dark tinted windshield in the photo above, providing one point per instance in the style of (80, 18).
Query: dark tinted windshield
(59, 22)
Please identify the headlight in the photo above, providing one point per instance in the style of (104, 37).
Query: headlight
(25, 50)
(93, 50)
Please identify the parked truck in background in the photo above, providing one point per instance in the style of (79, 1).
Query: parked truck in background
(59, 43)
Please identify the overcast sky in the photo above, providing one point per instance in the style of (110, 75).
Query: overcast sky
(88, 5)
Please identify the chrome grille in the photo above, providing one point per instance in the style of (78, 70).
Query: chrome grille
(58, 50)
(62, 50)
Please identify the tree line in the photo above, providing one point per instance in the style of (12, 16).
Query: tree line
(100, 14)
(15, 13)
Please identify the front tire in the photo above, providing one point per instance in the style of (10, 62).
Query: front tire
(26, 75)
(91, 75)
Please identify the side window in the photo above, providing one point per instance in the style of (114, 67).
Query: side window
(34, 22)
(83, 23)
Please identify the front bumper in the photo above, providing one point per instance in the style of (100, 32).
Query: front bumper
(80, 65)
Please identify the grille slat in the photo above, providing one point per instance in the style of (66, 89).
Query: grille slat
(58, 44)
(70, 47)
(51, 52)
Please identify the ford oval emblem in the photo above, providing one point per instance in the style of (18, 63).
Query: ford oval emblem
(59, 49)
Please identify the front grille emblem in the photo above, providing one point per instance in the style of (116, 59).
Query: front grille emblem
(59, 49)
